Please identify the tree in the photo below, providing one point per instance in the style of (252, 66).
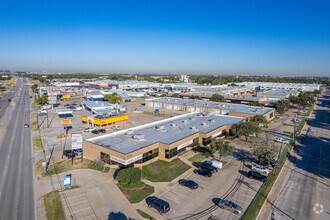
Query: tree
(282, 106)
(42, 100)
(254, 104)
(260, 119)
(34, 88)
(217, 98)
(112, 98)
(129, 176)
(223, 148)
(246, 129)
(305, 99)
(175, 95)
(264, 154)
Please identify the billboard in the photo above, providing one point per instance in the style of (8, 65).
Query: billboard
(66, 121)
(67, 181)
(76, 140)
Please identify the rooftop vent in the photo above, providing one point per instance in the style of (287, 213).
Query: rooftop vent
(174, 125)
(212, 120)
(185, 122)
(192, 119)
(206, 124)
(163, 130)
(194, 128)
(138, 137)
(159, 127)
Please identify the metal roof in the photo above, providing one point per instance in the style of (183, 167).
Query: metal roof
(165, 132)
(281, 92)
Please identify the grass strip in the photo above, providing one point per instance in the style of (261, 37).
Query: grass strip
(197, 158)
(138, 193)
(53, 206)
(145, 215)
(34, 126)
(33, 115)
(36, 141)
(301, 125)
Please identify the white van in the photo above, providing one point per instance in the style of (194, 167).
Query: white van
(216, 164)
(79, 109)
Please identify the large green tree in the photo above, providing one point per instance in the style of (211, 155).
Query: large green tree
(113, 98)
(260, 119)
(282, 106)
(42, 100)
(264, 154)
(223, 148)
(246, 129)
(217, 98)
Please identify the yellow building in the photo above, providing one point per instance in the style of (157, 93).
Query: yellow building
(103, 121)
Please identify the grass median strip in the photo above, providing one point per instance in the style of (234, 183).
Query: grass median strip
(136, 193)
(33, 115)
(163, 171)
(53, 206)
(65, 165)
(36, 141)
(34, 126)
(145, 215)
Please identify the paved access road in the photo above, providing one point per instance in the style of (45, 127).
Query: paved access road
(4, 100)
(307, 194)
(16, 163)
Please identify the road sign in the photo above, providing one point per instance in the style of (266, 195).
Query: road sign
(76, 140)
(66, 121)
(67, 181)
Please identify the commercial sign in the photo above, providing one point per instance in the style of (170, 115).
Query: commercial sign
(126, 162)
(66, 97)
(76, 140)
(66, 121)
(216, 134)
(185, 144)
(67, 181)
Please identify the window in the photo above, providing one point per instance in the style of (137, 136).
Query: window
(148, 156)
(171, 153)
(271, 115)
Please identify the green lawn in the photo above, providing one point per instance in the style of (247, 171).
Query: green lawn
(145, 215)
(33, 115)
(197, 158)
(138, 193)
(53, 206)
(163, 171)
(34, 126)
(301, 125)
(65, 165)
(36, 143)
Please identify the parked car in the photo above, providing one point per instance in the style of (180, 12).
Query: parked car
(160, 205)
(102, 130)
(230, 206)
(295, 120)
(26, 125)
(260, 169)
(282, 140)
(9, 100)
(188, 183)
(206, 166)
(202, 172)
(256, 175)
(95, 131)
(69, 153)
(67, 105)
(89, 129)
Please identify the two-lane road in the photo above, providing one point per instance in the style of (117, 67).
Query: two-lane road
(16, 161)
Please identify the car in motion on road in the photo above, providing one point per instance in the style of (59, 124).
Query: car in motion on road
(282, 140)
(202, 172)
(188, 183)
(260, 168)
(160, 205)
(26, 125)
(256, 175)
(9, 100)
(206, 166)
(230, 206)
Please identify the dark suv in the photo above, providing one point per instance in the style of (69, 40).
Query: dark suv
(206, 166)
(160, 205)
(256, 175)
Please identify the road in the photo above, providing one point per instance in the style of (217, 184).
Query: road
(4, 100)
(16, 162)
(306, 194)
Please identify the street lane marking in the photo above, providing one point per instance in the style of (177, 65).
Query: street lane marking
(171, 199)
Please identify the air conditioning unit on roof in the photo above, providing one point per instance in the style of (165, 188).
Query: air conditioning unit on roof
(206, 124)
(194, 128)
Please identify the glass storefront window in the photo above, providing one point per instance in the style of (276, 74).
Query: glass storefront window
(171, 153)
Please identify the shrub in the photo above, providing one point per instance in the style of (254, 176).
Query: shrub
(129, 176)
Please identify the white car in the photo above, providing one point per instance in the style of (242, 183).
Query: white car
(260, 169)
(89, 129)
(282, 140)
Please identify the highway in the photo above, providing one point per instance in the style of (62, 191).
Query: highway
(16, 161)
(306, 194)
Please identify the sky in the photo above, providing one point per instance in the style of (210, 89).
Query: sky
(274, 37)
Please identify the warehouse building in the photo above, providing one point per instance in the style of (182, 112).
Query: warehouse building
(278, 93)
(193, 105)
(163, 140)
(97, 107)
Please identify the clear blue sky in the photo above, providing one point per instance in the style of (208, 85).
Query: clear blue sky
(279, 37)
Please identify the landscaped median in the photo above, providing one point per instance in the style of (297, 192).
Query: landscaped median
(260, 198)
(53, 206)
(65, 165)
(36, 141)
(163, 171)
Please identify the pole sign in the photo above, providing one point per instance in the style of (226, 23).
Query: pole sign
(66, 121)
(76, 140)
(67, 181)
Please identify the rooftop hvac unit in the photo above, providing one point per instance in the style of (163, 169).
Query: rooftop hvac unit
(163, 130)
(194, 128)
(185, 122)
(138, 137)
(205, 124)
(192, 119)
(212, 120)
(159, 127)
